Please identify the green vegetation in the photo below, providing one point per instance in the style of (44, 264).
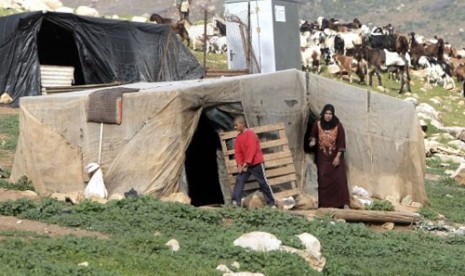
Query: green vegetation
(23, 184)
(140, 227)
(214, 61)
(381, 205)
(9, 125)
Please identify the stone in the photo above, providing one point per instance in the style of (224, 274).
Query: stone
(87, 11)
(139, 19)
(34, 5)
(458, 144)
(173, 244)
(286, 203)
(255, 200)
(312, 245)
(84, 264)
(243, 273)
(258, 241)
(317, 264)
(98, 199)
(74, 197)
(449, 158)
(380, 88)
(356, 203)
(177, 197)
(411, 100)
(53, 4)
(65, 10)
(236, 265)
(423, 124)
(407, 200)
(116, 197)
(435, 101)
(223, 268)
(461, 135)
(392, 199)
(459, 174)
(388, 226)
(428, 110)
(416, 205)
(5, 98)
(454, 131)
(305, 202)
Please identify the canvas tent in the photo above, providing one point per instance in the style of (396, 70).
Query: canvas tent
(100, 50)
(170, 126)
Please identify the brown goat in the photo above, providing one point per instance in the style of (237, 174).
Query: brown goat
(348, 65)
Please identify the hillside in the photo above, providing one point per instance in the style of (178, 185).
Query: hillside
(444, 18)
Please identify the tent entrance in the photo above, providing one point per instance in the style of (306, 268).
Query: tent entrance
(56, 46)
(202, 167)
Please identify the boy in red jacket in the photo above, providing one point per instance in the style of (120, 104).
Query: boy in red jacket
(249, 159)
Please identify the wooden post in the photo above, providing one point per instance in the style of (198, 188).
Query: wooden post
(248, 41)
(205, 41)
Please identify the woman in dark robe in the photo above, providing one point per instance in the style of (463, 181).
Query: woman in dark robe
(328, 136)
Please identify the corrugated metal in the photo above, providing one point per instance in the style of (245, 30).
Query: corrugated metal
(52, 75)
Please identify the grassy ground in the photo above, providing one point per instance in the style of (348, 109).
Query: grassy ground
(214, 61)
(139, 228)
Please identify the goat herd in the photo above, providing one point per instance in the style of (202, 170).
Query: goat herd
(353, 48)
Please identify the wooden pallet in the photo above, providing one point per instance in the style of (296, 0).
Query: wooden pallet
(279, 165)
(217, 73)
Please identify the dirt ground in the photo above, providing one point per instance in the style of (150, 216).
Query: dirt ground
(6, 110)
(15, 224)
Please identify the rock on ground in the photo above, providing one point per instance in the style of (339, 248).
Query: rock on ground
(258, 241)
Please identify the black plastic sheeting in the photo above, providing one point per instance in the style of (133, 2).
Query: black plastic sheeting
(100, 50)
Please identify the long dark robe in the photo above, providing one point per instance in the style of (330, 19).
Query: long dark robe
(332, 181)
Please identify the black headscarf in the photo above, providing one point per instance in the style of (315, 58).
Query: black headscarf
(334, 121)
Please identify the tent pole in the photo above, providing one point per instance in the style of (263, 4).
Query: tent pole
(100, 143)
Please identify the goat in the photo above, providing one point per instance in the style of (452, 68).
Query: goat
(311, 58)
(348, 65)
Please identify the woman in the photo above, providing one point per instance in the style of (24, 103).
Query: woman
(329, 137)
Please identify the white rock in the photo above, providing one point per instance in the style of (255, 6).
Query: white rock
(83, 264)
(139, 19)
(441, 136)
(116, 197)
(412, 100)
(177, 197)
(65, 10)
(457, 144)
(5, 98)
(87, 11)
(223, 268)
(407, 200)
(236, 265)
(245, 273)
(53, 4)
(312, 245)
(450, 158)
(433, 122)
(258, 241)
(34, 5)
(174, 244)
(459, 174)
(435, 101)
(428, 110)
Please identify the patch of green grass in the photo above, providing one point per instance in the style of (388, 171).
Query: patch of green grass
(9, 125)
(446, 197)
(381, 205)
(23, 184)
(214, 61)
(140, 227)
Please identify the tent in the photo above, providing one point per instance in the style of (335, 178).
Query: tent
(100, 50)
(169, 133)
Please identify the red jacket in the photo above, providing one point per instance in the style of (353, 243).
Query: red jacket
(247, 148)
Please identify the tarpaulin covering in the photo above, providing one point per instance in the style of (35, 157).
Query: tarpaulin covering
(101, 51)
(147, 150)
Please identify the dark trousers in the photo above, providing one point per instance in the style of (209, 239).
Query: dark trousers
(259, 172)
